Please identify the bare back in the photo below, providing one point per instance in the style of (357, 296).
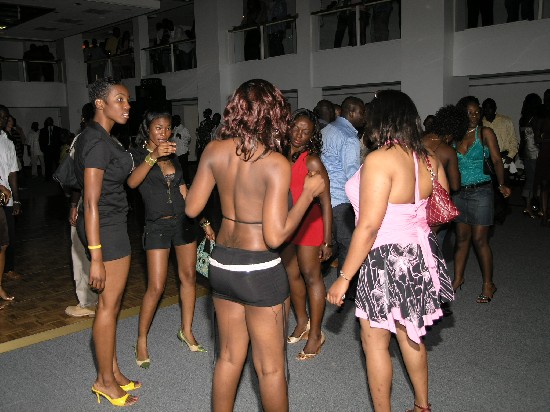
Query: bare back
(249, 192)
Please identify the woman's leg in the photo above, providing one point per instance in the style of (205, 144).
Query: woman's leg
(187, 261)
(233, 341)
(416, 362)
(157, 271)
(266, 327)
(104, 328)
(480, 239)
(297, 288)
(310, 266)
(463, 234)
(375, 343)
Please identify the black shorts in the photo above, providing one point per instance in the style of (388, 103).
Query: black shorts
(115, 243)
(256, 278)
(172, 231)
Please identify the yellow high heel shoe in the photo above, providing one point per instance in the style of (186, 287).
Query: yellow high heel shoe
(116, 402)
(130, 386)
(303, 335)
(142, 363)
(192, 348)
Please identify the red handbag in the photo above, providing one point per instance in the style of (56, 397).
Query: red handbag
(440, 208)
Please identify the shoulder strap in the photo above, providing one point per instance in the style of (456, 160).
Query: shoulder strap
(416, 185)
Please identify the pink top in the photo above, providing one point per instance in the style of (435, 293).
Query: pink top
(402, 224)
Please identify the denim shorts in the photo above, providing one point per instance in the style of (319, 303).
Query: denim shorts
(475, 205)
(165, 233)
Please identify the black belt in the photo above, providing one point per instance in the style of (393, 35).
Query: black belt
(476, 185)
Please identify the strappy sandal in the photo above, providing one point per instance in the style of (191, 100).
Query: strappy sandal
(422, 408)
(302, 356)
(482, 298)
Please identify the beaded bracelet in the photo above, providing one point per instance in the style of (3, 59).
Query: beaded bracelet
(205, 223)
(343, 275)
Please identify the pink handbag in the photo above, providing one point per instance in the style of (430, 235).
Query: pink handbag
(440, 208)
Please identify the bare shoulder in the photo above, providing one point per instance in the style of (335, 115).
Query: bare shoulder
(314, 162)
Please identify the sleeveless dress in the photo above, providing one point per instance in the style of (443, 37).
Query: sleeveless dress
(404, 277)
(311, 231)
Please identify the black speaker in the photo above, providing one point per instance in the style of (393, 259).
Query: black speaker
(151, 92)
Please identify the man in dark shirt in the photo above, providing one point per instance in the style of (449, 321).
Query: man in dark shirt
(49, 140)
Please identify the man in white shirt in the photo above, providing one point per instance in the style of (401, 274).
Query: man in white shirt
(8, 171)
(182, 137)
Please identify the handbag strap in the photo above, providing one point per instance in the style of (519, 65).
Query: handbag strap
(429, 167)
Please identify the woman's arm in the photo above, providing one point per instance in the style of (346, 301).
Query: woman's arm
(374, 193)
(451, 171)
(93, 182)
(203, 183)
(490, 140)
(314, 164)
(139, 174)
(278, 225)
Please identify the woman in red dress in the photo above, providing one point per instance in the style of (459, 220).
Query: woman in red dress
(312, 242)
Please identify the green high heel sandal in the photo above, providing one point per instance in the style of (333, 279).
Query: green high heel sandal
(192, 348)
(142, 363)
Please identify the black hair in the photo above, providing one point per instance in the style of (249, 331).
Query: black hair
(489, 102)
(88, 112)
(392, 118)
(531, 105)
(4, 109)
(148, 117)
(100, 88)
(350, 104)
(315, 144)
(450, 121)
(465, 101)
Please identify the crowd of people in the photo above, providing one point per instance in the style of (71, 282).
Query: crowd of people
(345, 183)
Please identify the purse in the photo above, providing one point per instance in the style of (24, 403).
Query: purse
(203, 257)
(64, 174)
(440, 209)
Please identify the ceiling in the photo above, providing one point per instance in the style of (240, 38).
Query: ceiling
(64, 18)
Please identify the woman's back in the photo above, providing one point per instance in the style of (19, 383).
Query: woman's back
(245, 187)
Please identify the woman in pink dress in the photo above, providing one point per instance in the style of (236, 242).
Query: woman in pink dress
(312, 242)
(403, 278)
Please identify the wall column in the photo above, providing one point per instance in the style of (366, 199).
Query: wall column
(427, 55)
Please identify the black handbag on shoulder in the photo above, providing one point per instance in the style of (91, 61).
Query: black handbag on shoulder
(64, 174)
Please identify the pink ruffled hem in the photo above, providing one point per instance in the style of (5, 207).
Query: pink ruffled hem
(414, 333)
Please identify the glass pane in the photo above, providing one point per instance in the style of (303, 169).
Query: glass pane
(123, 66)
(160, 60)
(185, 55)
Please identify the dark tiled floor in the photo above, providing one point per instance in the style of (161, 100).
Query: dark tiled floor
(43, 258)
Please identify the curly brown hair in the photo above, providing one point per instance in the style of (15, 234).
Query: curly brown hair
(315, 144)
(257, 113)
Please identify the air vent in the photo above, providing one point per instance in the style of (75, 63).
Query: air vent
(97, 12)
(48, 29)
(69, 21)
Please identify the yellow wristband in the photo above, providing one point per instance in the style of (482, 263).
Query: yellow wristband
(94, 247)
(150, 161)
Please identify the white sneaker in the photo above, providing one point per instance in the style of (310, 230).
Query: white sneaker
(79, 312)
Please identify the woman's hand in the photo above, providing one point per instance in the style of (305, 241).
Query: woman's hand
(97, 276)
(6, 192)
(209, 233)
(325, 251)
(505, 191)
(337, 292)
(163, 149)
(314, 184)
(183, 191)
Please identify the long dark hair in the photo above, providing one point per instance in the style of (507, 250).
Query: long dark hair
(315, 144)
(256, 113)
(150, 115)
(392, 118)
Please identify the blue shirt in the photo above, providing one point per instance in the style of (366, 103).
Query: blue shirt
(341, 157)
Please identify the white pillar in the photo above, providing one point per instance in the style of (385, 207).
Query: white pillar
(427, 55)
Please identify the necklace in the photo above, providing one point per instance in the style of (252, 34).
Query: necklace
(471, 130)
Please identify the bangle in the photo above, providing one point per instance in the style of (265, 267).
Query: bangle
(94, 247)
(149, 160)
(343, 275)
(205, 223)
(499, 186)
(17, 202)
(326, 244)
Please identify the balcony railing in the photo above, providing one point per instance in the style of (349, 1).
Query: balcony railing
(377, 21)
(20, 70)
(119, 66)
(172, 57)
(272, 39)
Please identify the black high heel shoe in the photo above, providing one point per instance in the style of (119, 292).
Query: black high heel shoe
(459, 286)
(483, 298)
